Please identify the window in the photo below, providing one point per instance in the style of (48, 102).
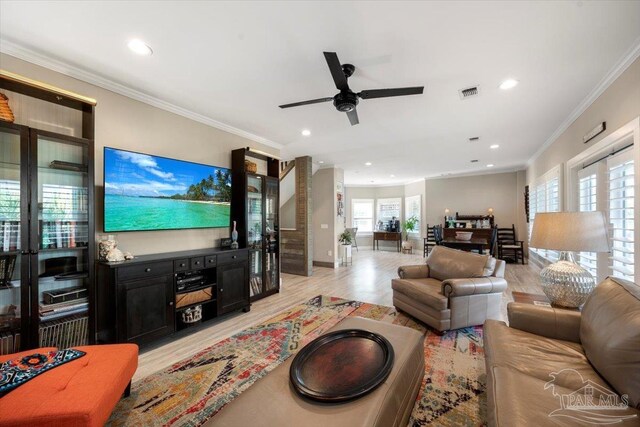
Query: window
(9, 215)
(545, 197)
(412, 207)
(588, 202)
(362, 216)
(388, 208)
(621, 216)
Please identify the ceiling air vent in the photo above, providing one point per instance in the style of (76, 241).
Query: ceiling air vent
(469, 92)
(474, 139)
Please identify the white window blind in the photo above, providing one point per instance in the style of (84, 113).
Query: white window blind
(587, 202)
(412, 207)
(9, 215)
(621, 214)
(362, 216)
(544, 196)
(388, 208)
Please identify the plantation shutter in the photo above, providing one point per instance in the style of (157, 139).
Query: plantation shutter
(587, 202)
(621, 179)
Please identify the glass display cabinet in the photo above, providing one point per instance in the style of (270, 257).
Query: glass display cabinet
(46, 224)
(255, 207)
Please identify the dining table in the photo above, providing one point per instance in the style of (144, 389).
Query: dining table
(475, 243)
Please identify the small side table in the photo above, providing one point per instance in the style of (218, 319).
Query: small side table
(347, 256)
(408, 250)
(536, 299)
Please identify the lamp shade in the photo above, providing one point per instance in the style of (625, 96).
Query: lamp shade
(570, 231)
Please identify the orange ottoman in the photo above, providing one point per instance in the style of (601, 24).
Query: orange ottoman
(82, 392)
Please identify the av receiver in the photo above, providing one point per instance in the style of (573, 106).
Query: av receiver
(189, 280)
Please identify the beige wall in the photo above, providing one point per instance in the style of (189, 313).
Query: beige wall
(471, 195)
(122, 122)
(325, 213)
(618, 105)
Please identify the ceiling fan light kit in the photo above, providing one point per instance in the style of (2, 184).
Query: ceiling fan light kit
(346, 100)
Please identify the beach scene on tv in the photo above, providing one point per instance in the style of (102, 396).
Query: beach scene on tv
(144, 192)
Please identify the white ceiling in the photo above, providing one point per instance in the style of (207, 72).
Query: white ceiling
(236, 62)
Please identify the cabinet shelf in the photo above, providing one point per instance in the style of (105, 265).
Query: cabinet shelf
(73, 248)
(199, 288)
(209, 301)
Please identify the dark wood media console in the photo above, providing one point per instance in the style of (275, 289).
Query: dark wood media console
(137, 299)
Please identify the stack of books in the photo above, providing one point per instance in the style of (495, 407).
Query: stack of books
(62, 309)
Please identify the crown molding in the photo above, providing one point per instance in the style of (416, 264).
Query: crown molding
(616, 71)
(488, 171)
(37, 58)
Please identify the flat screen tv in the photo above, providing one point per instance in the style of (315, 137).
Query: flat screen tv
(145, 192)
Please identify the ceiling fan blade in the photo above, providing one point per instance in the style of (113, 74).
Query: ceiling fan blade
(353, 117)
(336, 70)
(384, 93)
(312, 101)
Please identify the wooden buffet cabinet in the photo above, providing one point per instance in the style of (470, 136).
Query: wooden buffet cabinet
(137, 299)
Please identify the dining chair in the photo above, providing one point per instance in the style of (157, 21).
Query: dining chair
(509, 247)
(430, 240)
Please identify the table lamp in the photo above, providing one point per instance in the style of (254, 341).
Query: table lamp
(566, 283)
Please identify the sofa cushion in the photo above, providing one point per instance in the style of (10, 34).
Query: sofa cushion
(527, 373)
(446, 263)
(610, 334)
(425, 291)
(489, 267)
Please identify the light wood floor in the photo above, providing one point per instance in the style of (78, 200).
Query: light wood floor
(368, 280)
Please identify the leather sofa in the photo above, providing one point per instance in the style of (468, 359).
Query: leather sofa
(548, 361)
(452, 290)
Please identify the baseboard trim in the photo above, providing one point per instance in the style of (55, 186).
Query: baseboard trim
(324, 264)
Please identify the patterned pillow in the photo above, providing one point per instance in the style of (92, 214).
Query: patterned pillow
(16, 372)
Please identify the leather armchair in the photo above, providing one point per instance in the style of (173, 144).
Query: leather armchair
(454, 289)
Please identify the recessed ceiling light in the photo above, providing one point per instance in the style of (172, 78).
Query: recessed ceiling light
(392, 176)
(508, 84)
(494, 146)
(140, 47)
(306, 132)
(490, 165)
(368, 164)
(321, 161)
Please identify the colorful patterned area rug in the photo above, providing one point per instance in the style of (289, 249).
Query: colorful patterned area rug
(193, 390)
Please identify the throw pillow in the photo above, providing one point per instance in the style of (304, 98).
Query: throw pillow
(489, 267)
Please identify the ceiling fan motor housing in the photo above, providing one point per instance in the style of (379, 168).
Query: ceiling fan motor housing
(345, 101)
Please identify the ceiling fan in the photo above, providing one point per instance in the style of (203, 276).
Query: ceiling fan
(346, 100)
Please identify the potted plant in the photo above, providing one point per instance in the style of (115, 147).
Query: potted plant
(345, 238)
(407, 227)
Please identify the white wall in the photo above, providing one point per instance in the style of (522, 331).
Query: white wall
(122, 122)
